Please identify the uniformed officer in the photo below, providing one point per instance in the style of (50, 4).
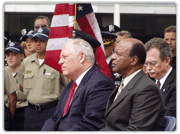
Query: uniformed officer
(41, 84)
(14, 56)
(30, 42)
(109, 44)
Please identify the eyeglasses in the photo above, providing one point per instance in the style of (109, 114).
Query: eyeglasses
(41, 26)
(153, 63)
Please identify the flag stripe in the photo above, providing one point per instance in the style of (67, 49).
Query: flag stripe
(95, 27)
(61, 32)
(56, 43)
(64, 9)
(63, 18)
(85, 28)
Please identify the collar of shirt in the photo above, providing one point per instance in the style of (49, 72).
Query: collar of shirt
(128, 78)
(34, 58)
(108, 59)
(78, 80)
(162, 80)
(41, 61)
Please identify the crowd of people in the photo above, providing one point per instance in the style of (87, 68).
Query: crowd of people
(82, 98)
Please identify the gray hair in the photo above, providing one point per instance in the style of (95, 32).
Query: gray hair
(80, 45)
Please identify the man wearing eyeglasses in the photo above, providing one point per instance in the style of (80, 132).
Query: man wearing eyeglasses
(42, 22)
(158, 66)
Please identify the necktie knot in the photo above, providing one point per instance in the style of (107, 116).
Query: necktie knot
(74, 86)
(120, 89)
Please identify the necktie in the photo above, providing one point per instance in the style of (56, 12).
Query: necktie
(120, 89)
(69, 98)
(159, 84)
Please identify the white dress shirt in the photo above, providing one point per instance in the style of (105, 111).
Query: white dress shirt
(127, 80)
(163, 79)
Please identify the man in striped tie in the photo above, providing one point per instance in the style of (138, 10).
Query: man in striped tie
(137, 104)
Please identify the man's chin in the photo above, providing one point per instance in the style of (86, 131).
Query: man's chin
(152, 75)
(114, 70)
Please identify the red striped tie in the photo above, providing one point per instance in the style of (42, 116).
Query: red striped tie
(69, 99)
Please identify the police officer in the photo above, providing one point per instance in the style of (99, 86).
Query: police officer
(41, 84)
(109, 44)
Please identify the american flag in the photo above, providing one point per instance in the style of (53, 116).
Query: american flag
(66, 18)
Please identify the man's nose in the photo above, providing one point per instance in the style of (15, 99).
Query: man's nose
(60, 61)
(113, 56)
(148, 67)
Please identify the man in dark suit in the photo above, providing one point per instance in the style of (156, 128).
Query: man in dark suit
(85, 110)
(137, 104)
(158, 64)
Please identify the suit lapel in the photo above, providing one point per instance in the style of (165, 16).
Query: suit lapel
(113, 103)
(123, 94)
(111, 98)
(81, 85)
(167, 82)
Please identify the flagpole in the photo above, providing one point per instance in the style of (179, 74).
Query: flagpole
(75, 16)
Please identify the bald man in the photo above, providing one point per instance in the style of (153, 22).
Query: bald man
(137, 104)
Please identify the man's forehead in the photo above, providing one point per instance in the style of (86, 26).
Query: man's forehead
(153, 53)
(66, 49)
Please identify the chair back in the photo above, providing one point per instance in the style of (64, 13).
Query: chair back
(170, 123)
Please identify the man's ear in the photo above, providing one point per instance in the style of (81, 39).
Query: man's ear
(168, 61)
(82, 57)
(134, 60)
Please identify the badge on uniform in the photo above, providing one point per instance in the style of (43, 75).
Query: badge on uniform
(48, 74)
(28, 71)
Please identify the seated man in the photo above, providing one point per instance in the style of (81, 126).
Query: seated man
(158, 64)
(137, 104)
(83, 101)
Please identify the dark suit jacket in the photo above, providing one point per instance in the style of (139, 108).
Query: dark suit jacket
(139, 106)
(88, 105)
(169, 93)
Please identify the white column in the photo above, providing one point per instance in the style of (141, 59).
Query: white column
(117, 15)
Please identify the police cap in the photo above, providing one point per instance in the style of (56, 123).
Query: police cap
(14, 47)
(108, 38)
(29, 34)
(42, 33)
(87, 37)
(113, 28)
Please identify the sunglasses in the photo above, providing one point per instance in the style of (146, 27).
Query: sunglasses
(42, 26)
